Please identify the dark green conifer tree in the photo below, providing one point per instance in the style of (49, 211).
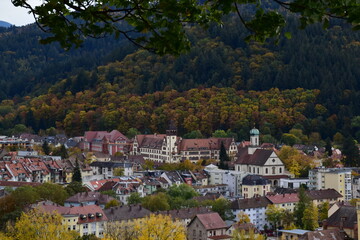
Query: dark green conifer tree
(46, 148)
(77, 173)
(300, 207)
(224, 158)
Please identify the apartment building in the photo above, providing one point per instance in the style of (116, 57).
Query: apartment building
(338, 179)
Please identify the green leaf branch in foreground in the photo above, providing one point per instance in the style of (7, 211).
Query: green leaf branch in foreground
(159, 25)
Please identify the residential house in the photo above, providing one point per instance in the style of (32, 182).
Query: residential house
(185, 215)
(207, 226)
(255, 208)
(334, 207)
(229, 177)
(124, 189)
(86, 220)
(328, 234)
(172, 177)
(338, 179)
(127, 213)
(264, 162)
(201, 178)
(293, 234)
(254, 185)
(105, 170)
(327, 195)
(286, 201)
(344, 219)
(88, 198)
(222, 189)
(18, 143)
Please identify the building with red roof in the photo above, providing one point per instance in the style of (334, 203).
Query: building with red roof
(286, 201)
(261, 161)
(171, 148)
(86, 220)
(207, 226)
(105, 142)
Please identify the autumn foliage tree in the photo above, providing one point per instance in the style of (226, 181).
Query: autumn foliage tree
(40, 226)
(161, 227)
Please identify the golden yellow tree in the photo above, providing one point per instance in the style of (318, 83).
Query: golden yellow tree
(121, 230)
(40, 226)
(243, 217)
(160, 227)
(250, 235)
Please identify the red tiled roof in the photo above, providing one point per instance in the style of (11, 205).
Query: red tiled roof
(204, 144)
(100, 135)
(283, 198)
(259, 157)
(211, 221)
(75, 211)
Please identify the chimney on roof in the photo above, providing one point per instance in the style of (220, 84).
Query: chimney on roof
(140, 207)
(324, 224)
(342, 220)
(129, 208)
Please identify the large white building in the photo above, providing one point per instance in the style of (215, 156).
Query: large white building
(255, 208)
(264, 162)
(231, 178)
(170, 148)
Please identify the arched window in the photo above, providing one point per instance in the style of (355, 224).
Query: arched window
(266, 171)
(273, 170)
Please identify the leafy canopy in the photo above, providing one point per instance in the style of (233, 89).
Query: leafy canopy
(160, 25)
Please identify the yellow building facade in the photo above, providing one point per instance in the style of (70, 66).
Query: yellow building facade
(338, 179)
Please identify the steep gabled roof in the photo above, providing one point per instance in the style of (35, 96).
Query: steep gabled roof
(347, 214)
(150, 141)
(112, 136)
(211, 221)
(259, 157)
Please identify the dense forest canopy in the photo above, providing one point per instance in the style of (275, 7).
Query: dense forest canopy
(160, 25)
(109, 84)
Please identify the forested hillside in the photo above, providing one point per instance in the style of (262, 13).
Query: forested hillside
(109, 84)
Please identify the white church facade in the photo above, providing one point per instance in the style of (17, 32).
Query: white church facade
(256, 160)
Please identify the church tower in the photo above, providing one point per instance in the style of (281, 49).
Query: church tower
(254, 140)
(171, 146)
(254, 137)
